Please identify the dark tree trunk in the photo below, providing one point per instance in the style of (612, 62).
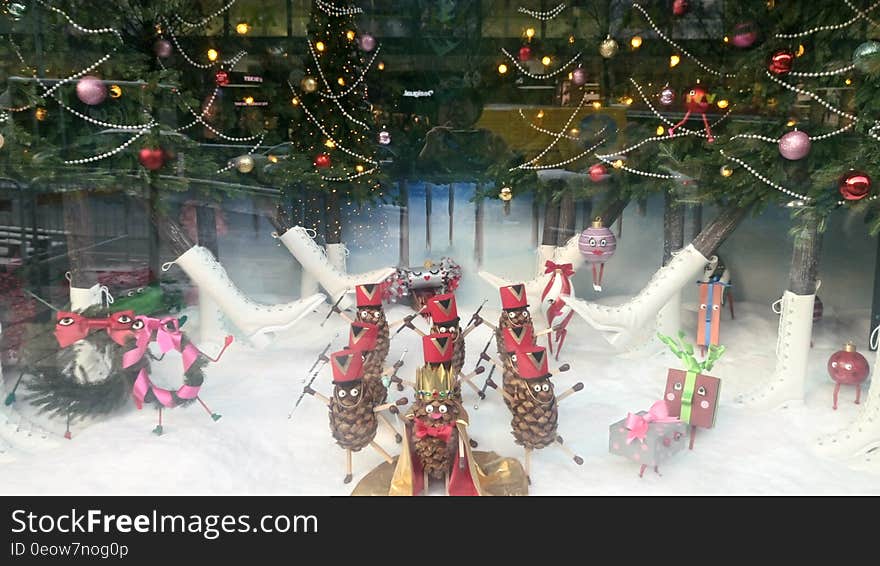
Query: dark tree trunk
(78, 225)
(673, 226)
(404, 223)
(206, 222)
(722, 226)
(805, 256)
(611, 211)
(695, 223)
(479, 213)
(586, 213)
(333, 220)
(153, 247)
(536, 221)
(642, 208)
(172, 233)
(428, 205)
(451, 210)
(567, 219)
(551, 224)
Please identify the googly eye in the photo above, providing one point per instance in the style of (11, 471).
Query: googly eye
(140, 290)
(429, 409)
(848, 366)
(341, 393)
(511, 314)
(592, 242)
(354, 392)
(123, 319)
(443, 409)
(603, 242)
(703, 307)
(169, 325)
(66, 321)
(693, 93)
(513, 357)
(545, 387)
(137, 325)
(677, 386)
(130, 293)
(715, 307)
(537, 388)
(834, 364)
(701, 390)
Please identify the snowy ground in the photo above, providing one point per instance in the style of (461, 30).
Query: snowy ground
(255, 449)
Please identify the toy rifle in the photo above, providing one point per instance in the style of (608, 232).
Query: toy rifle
(313, 371)
(333, 309)
(397, 365)
(476, 313)
(407, 320)
(488, 381)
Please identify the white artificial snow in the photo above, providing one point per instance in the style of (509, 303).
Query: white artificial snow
(255, 449)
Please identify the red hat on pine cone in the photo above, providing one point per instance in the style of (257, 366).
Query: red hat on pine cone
(362, 336)
(442, 308)
(369, 295)
(518, 338)
(347, 366)
(438, 348)
(514, 297)
(531, 363)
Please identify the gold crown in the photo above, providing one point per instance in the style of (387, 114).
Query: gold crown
(433, 382)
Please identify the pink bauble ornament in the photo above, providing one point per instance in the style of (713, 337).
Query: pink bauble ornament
(680, 7)
(91, 90)
(667, 96)
(744, 35)
(598, 173)
(597, 243)
(367, 42)
(579, 76)
(162, 48)
(794, 145)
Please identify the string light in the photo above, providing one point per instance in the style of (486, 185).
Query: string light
(685, 52)
(674, 60)
(811, 95)
(340, 81)
(530, 33)
(848, 82)
(359, 168)
(524, 71)
(556, 137)
(545, 60)
(212, 55)
(543, 130)
(661, 130)
(242, 28)
(320, 46)
(502, 69)
(824, 73)
(41, 113)
(354, 85)
(636, 41)
(381, 66)
(562, 163)
(294, 101)
(330, 143)
(332, 10)
(206, 19)
(349, 35)
(800, 50)
(110, 153)
(597, 105)
(669, 122)
(232, 162)
(859, 15)
(543, 16)
(726, 171)
(723, 103)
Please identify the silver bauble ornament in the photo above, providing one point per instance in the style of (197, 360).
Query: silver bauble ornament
(608, 48)
(244, 164)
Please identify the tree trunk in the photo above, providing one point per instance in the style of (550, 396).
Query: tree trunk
(696, 220)
(586, 213)
(722, 226)
(428, 205)
(333, 226)
(673, 226)
(536, 221)
(805, 258)
(612, 210)
(567, 219)
(153, 246)
(551, 224)
(451, 210)
(404, 223)
(206, 222)
(78, 225)
(479, 213)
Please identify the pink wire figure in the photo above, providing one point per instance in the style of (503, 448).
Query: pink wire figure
(697, 100)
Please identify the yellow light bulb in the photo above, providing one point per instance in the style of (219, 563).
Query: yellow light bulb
(273, 159)
(575, 131)
(341, 81)
(115, 91)
(248, 100)
(848, 82)
(571, 39)
(330, 144)
(359, 168)
(661, 130)
(530, 33)
(349, 35)
(723, 103)
(627, 100)
(597, 105)
(294, 101)
(618, 164)
(320, 46)
(242, 28)
(636, 41)
(41, 113)
(502, 68)
(674, 60)
(381, 66)
(212, 54)
(545, 60)
(726, 39)
(540, 113)
(791, 123)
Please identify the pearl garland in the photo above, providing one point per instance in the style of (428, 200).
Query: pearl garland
(643, 142)
(840, 71)
(561, 163)
(543, 16)
(860, 12)
(80, 28)
(231, 163)
(332, 10)
(811, 95)
(350, 177)
(607, 161)
(684, 51)
(859, 15)
(524, 71)
(206, 19)
(110, 153)
(324, 79)
(101, 123)
(764, 179)
(556, 137)
(543, 130)
(669, 122)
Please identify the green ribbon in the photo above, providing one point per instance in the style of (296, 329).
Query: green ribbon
(687, 396)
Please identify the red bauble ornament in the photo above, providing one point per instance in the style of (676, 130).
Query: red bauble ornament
(847, 367)
(322, 161)
(525, 53)
(598, 173)
(781, 62)
(855, 185)
(222, 78)
(680, 7)
(152, 158)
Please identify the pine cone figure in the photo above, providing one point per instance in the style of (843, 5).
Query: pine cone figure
(352, 420)
(376, 390)
(436, 453)
(535, 414)
(458, 354)
(377, 317)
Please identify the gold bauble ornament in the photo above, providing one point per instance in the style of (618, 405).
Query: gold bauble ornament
(506, 194)
(244, 164)
(309, 84)
(608, 48)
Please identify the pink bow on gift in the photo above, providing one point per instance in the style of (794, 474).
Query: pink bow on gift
(566, 268)
(637, 425)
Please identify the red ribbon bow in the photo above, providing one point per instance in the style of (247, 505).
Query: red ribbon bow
(637, 425)
(71, 327)
(566, 268)
(441, 432)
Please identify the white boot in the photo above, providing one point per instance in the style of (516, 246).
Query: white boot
(253, 319)
(81, 298)
(317, 262)
(308, 285)
(863, 433)
(336, 255)
(669, 317)
(792, 352)
(623, 325)
(211, 327)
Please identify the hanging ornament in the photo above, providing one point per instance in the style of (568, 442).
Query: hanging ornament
(221, 78)
(152, 158)
(91, 90)
(2, 141)
(667, 96)
(309, 84)
(41, 113)
(244, 164)
(855, 185)
(598, 173)
(162, 48)
(384, 137)
(322, 161)
(115, 91)
(745, 35)
(781, 62)
(794, 145)
(525, 53)
(680, 7)
(608, 48)
(367, 42)
(726, 171)
(506, 195)
(597, 244)
(697, 100)
(847, 367)
(866, 57)
(579, 76)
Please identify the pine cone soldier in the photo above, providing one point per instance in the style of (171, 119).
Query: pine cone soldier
(443, 312)
(362, 338)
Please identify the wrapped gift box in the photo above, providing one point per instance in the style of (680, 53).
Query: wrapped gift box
(662, 439)
(692, 397)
